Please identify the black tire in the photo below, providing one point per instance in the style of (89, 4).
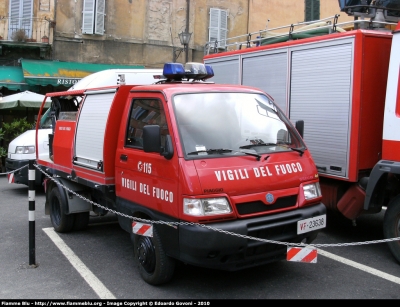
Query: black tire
(155, 266)
(81, 220)
(61, 221)
(391, 226)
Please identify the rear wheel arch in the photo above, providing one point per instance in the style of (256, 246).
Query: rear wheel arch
(50, 186)
(391, 226)
(61, 221)
(375, 192)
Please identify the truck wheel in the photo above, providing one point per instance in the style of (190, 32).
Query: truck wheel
(155, 266)
(81, 220)
(391, 226)
(61, 221)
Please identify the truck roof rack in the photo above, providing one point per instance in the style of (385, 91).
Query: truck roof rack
(301, 30)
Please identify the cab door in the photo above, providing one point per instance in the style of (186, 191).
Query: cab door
(147, 179)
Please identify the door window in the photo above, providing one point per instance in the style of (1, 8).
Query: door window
(145, 112)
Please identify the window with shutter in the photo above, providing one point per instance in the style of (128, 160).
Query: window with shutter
(88, 16)
(312, 10)
(93, 16)
(100, 9)
(218, 28)
(21, 12)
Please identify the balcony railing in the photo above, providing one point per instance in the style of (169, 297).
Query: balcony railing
(34, 29)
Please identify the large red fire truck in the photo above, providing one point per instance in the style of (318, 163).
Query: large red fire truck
(344, 84)
(193, 170)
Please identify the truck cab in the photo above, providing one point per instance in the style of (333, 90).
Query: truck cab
(206, 166)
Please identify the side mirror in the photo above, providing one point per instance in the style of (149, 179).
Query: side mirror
(152, 141)
(151, 138)
(168, 151)
(300, 127)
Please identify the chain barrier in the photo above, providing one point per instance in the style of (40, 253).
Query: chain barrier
(172, 224)
(13, 171)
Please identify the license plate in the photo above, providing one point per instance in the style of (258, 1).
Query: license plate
(311, 224)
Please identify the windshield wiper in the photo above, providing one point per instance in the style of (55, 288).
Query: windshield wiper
(300, 150)
(256, 145)
(211, 151)
(222, 150)
(252, 154)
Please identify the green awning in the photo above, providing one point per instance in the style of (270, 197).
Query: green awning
(58, 73)
(12, 78)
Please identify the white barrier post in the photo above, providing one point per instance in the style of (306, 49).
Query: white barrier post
(31, 197)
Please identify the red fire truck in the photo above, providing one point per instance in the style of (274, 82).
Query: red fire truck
(341, 84)
(194, 171)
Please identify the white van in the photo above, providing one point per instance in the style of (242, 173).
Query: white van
(22, 148)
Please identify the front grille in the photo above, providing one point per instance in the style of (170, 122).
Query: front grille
(284, 230)
(260, 207)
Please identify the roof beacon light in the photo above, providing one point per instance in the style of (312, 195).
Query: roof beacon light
(191, 71)
(174, 71)
(210, 71)
(195, 70)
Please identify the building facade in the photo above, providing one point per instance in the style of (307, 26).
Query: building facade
(132, 32)
(146, 32)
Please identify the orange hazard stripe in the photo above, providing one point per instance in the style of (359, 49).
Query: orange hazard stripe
(292, 252)
(301, 254)
(142, 229)
(311, 256)
(11, 178)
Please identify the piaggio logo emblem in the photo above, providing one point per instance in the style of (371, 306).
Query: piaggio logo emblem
(269, 198)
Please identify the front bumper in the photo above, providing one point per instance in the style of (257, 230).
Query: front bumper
(204, 247)
(20, 171)
(213, 249)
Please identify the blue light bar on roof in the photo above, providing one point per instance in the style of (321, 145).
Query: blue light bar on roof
(210, 71)
(194, 71)
(195, 68)
(173, 70)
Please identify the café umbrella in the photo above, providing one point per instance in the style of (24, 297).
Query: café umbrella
(25, 99)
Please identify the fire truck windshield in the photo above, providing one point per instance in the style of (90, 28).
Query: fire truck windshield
(234, 121)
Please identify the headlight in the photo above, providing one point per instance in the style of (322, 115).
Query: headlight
(25, 150)
(206, 206)
(311, 191)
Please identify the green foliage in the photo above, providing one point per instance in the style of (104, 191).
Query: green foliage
(10, 131)
(3, 152)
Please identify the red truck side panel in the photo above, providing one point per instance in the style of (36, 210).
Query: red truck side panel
(146, 178)
(63, 143)
(391, 149)
(369, 100)
(391, 137)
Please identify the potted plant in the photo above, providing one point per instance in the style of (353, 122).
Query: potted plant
(19, 35)
(45, 39)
